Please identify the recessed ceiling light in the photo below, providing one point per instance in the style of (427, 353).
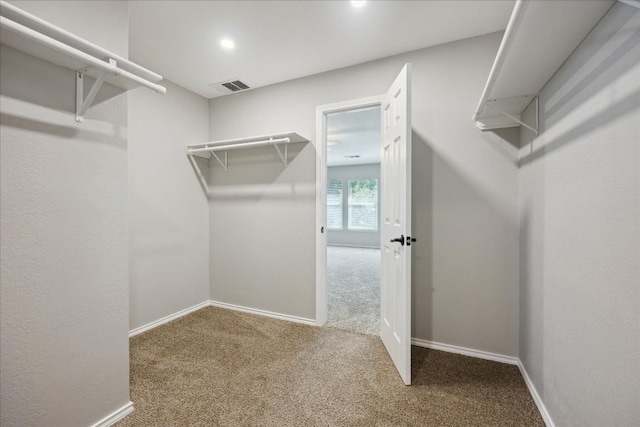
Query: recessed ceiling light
(227, 44)
(358, 3)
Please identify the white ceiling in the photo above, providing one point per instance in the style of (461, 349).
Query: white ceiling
(353, 132)
(283, 40)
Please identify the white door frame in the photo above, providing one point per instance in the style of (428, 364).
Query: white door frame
(321, 196)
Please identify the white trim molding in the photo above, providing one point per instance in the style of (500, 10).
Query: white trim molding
(273, 315)
(354, 246)
(211, 303)
(167, 319)
(496, 358)
(115, 416)
(465, 351)
(546, 417)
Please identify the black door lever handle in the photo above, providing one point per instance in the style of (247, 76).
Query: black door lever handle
(399, 239)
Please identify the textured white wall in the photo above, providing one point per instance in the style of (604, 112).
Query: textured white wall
(64, 350)
(580, 232)
(347, 237)
(465, 265)
(168, 208)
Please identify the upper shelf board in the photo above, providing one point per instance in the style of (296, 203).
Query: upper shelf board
(20, 18)
(32, 48)
(540, 36)
(239, 142)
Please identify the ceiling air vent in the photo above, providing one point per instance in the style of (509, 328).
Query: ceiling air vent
(225, 88)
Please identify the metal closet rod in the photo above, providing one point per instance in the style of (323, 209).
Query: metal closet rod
(22, 17)
(77, 54)
(514, 22)
(240, 145)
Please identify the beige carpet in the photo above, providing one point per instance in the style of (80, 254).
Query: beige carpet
(223, 368)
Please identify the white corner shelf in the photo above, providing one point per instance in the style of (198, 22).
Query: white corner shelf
(540, 36)
(209, 149)
(37, 37)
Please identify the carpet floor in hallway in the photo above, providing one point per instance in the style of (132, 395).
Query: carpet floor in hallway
(353, 287)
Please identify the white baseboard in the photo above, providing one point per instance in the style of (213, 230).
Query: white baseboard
(465, 351)
(296, 319)
(116, 416)
(536, 397)
(353, 246)
(167, 319)
(496, 358)
(228, 306)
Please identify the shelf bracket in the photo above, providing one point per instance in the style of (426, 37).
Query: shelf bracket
(284, 157)
(223, 164)
(83, 104)
(515, 119)
(232, 144)
(201, 178)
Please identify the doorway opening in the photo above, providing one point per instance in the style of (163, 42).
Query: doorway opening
(396, 237)
(351, 203)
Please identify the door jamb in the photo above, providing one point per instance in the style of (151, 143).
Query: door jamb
(321, 189)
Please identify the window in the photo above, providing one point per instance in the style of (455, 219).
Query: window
(363, 204)
(334, 203)
(361, 199)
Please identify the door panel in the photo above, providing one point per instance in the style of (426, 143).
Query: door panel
(395, 301)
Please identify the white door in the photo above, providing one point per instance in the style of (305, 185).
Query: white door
(395, 298)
